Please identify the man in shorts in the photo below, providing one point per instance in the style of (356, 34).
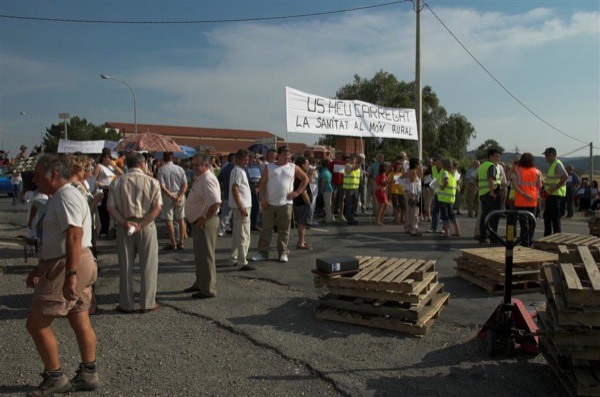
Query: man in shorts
(173, 184)
(63, 279)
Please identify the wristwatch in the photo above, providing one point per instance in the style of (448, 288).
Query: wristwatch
(70, 272)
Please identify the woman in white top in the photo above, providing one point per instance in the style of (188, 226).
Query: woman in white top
(105, 171)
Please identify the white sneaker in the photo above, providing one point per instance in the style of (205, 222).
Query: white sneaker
(283, 258)
(259, 258)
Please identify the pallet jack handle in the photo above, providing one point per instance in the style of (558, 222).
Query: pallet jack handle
(509, 242)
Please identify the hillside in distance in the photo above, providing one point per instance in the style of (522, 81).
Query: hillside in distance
(581, 164)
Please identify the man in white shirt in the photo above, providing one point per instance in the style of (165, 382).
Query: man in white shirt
(240, 201)
(201, 211)
(63, 279)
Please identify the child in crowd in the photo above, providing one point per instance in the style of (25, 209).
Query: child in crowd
(412, 193)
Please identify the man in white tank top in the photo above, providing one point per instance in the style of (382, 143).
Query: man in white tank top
(276, 190)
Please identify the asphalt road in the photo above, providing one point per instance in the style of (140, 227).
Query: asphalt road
(260, 336)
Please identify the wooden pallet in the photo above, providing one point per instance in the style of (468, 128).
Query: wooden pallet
(563, 315)
(577, 381)
(581, 281)
(576, 347)
(522, 257)
(575, 363)
(573, 255)
(571, 240)
(495, 273)
(393, 309)
(391, 293)
(400, 275)
(418, 328)
(496, 288)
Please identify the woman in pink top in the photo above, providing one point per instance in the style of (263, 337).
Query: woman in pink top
(381, 184)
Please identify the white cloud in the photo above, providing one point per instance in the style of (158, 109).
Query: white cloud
(238, 80)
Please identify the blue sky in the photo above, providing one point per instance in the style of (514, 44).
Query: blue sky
(233, 75)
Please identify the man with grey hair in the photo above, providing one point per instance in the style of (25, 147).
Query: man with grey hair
(240, 201)
(134, 203)
(63, 278)
(174, 185)
(201, 210)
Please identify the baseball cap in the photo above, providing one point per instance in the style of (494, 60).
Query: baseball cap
(550, 150)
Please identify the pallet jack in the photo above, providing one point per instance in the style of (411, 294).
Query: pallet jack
(510, 326)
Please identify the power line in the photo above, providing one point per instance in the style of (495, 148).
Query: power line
(241, 20)
(498, 82)
(207, 21)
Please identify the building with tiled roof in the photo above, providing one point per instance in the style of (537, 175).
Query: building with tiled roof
(215, 140)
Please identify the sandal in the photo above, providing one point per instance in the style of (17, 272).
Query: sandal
(304, 246)
(180, 246)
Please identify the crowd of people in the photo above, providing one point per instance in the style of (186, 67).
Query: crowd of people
(76, 199)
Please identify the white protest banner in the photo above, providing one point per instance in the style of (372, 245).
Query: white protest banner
(87, 147)
(307, 113)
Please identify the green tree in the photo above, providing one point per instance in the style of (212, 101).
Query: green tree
(455, 134)
(384, 89)
(78, 130)
(481, 151)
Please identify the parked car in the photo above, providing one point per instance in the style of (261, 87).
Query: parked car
(5, 185)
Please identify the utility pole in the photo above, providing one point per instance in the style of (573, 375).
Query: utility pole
(65, 117)
(418, 90)
(591, 169)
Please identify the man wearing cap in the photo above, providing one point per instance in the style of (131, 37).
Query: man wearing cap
(277, 192)
(555, 191)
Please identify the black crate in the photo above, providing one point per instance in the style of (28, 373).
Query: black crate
(337, 264)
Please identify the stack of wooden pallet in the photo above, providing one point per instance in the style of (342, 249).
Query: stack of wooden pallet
(571, 240)
(484, 267)
(570, 325)
(390, 293)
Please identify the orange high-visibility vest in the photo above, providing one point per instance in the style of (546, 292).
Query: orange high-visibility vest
(526, 180)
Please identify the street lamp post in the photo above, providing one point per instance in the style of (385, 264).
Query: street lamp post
(105, 77)
(41, 126)
(65, 117)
